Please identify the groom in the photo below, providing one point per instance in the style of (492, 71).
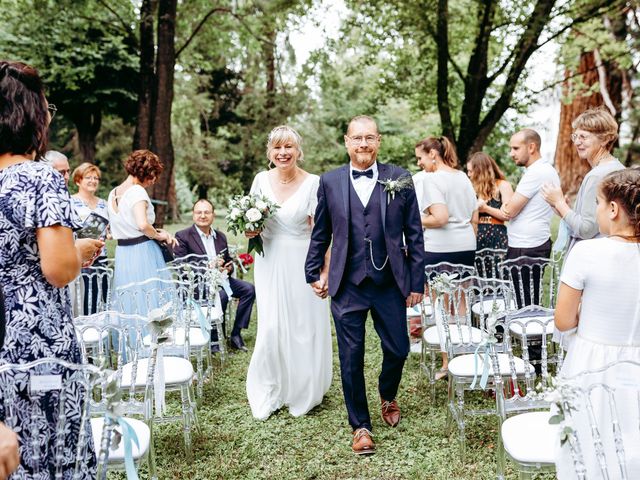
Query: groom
(376, 266)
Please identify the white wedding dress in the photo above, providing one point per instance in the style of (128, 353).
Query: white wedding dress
(291, 363)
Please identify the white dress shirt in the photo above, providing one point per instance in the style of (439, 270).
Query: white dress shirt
(364, 185)
(209, 243)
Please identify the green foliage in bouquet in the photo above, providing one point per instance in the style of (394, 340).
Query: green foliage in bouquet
(249, 213)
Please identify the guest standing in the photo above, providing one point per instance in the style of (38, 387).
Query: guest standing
(449, 212)
(599, 293)
(85, 205)
(131, 214)
(38, 258)
(595, 133)
(291, 363)
(58, 161)
(492, 190)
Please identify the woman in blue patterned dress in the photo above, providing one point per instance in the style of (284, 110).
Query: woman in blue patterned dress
(38, 258)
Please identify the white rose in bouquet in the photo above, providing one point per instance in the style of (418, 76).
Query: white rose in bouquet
(235, 213)
(253, 215)
(261, 205)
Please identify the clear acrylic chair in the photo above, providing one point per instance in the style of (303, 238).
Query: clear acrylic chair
(528, 275)
(525, 436)
(601, 409)
(429, 347)
(128, 356)
(34, 394)
(488, 262)
(465, 343)
(176, 353)
(91, 291)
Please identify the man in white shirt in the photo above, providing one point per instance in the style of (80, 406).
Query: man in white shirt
(202, 239)
(529, 228)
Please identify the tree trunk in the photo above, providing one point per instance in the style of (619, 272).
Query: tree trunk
(143, 134)
(162, 145)
(268, 51)
(591, 70)
(87, 121)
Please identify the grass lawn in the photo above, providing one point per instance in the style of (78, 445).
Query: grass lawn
(231, 444)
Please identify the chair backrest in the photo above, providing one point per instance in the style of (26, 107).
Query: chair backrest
(464, 308)
(36, 394)
(92, 290)
(515, 378)
(601, 409)
(528, 277)
(457, 270)
(488, 262)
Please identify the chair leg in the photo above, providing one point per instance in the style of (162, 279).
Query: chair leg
(450, 406)
(525, 476)
(500, 454)
(432, 373)
(461, 424)
(186, 420)
(151, 457)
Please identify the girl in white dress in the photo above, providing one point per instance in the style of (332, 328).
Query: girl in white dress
(600, 294)
(292, 361)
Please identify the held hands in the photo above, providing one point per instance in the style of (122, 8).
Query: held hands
(9, 453)
(321, 287)
(414, 298)
(88, 250)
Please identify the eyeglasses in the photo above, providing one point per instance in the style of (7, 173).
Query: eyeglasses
(52, 110)
(95, 179)
(582, 137)
(370, 139)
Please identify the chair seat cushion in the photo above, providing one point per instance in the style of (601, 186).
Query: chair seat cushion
(177, 370)
(416, 348)
(532, 328)
(196, 338)
(464, 365)
(91, 336)
(117, 455)
(431, 336)
(487, 305)
(530, 438)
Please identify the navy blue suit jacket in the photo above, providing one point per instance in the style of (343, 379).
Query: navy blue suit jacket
(189, 242)
(400, 219)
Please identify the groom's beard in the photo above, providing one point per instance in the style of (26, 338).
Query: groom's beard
(363, 160)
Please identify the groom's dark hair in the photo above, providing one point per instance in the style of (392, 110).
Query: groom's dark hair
(360, 118)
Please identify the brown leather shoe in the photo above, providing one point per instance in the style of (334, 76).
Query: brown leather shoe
(363, 442)
(390, 412)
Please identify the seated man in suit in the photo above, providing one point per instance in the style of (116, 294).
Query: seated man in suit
(201, 239)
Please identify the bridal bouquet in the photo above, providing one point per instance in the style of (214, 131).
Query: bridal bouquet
(247, 214)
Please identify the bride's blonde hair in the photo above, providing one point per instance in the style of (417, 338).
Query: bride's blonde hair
(284, 134)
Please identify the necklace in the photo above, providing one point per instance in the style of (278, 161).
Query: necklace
(290, 179)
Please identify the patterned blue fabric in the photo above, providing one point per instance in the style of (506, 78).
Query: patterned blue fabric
(39, 322)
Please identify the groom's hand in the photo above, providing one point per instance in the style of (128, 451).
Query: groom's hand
(413, 299)
(321, 287)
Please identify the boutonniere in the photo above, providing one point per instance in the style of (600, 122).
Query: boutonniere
(393, 186)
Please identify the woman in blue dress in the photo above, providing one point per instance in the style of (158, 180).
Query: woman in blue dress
(38, 258)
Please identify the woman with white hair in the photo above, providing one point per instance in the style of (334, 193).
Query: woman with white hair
(292, 361)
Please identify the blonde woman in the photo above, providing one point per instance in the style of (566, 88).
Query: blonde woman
(291, 363)
(492, 190)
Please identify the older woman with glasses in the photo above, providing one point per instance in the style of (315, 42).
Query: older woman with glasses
(594, 133)
(92, 215)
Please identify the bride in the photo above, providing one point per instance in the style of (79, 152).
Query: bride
(292, 361)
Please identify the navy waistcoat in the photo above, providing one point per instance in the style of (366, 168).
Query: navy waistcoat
(366, 223)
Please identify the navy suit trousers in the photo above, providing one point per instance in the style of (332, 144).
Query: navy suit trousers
(246, 294)
(350, 307)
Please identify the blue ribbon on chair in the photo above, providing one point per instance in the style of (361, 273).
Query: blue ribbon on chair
(205, 328)
(128, 435)
(485, 345)
(226, 286)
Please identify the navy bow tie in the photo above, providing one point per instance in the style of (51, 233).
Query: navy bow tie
(357, 173)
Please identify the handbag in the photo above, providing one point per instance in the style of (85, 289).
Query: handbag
(167, 251)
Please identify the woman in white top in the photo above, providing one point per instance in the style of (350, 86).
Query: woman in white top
(449, 215)
(291, 363)
(450, 208)
(131, 213)
(599, 294)
(595, 133)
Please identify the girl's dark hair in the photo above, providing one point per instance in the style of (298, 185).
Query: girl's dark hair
(143, 165)
(445, 148)
(24, 121)
(623, 187)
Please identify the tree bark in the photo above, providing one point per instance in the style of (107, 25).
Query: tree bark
(87, 121)
(162, 145)
(143, 133)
